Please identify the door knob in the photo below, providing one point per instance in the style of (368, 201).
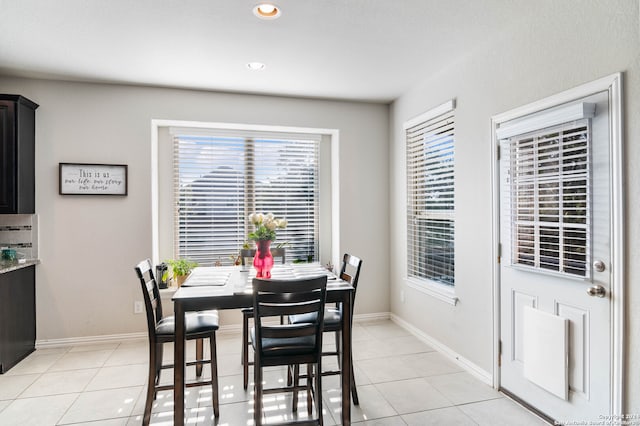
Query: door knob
(596, 291)
(599, 266)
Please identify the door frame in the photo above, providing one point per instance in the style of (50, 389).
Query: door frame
(613, 85)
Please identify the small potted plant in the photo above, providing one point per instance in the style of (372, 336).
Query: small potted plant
(181, 268)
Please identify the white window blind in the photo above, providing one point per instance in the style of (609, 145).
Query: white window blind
(430, 196)
(550, 195)
(220, 179)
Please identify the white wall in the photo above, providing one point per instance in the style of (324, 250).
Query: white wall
(565, 44)
(89, 245)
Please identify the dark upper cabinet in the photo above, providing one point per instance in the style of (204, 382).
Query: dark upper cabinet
(17, 154)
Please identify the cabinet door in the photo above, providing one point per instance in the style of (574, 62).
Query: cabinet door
(8, 188)
(17, 316)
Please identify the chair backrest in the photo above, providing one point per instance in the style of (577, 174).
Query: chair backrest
(350, 272)
(250, 253)
(151, 294)
(276, 298)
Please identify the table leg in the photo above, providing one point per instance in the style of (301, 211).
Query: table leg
(178, 365)
(345, 367)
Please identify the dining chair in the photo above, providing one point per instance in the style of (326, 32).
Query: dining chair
(288, 345)
(161, 330)
(247, 313)
(349, 272)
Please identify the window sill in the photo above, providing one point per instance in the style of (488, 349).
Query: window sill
(167, 292)
(439, 291)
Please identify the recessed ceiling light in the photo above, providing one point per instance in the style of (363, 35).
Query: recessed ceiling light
(267, 11)
(255, 66)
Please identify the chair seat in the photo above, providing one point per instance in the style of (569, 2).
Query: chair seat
(332, 318)
(196, 322)
(285, 346)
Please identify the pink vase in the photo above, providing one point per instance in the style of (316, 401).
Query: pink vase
(263, 260)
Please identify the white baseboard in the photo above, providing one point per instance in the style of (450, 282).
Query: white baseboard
(89, 340)
(225, 329)
(470, 367)
(379, 316)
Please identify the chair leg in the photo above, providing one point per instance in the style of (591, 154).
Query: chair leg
(199, 356)
(257, 393)
(338, 336)
(245, 350)
(151, 384)
(296, 380)
(354, 391)
(318, 378)
(309, 389)
(158, 356)
(214, 375)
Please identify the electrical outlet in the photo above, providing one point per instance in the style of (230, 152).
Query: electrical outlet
(402, 296)
(138, 307)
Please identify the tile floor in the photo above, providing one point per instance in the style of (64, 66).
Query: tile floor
(401, 381)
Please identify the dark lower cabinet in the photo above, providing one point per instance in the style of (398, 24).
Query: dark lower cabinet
(17, 316)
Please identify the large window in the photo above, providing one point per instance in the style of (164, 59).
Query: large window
(430, 196)
(220, 178)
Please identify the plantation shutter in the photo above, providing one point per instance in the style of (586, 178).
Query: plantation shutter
(221, 178)
(430, 195)
(549, 198)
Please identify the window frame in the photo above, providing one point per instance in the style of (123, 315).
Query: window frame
(438, 290)
(330, 195)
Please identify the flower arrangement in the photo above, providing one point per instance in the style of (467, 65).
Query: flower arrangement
(266, 225)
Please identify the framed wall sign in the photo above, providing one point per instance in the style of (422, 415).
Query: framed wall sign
(93, 179)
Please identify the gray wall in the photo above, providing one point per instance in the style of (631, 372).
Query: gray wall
(89, 245)
(563, 45)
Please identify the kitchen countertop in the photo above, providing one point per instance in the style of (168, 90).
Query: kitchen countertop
(12, 265)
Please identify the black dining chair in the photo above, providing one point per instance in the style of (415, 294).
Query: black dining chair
(161, 330)
(349, 272)
(247, 313)
(289, 345)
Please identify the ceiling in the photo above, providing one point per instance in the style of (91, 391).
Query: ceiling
(365, 50)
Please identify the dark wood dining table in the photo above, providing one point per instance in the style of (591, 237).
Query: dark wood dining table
(231, 288)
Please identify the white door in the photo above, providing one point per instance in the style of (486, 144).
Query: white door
(555, 246)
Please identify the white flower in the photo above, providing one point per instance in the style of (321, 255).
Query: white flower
(265, 226)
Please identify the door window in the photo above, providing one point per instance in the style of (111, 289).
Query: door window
(550, 193)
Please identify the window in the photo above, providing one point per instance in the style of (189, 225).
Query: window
(550, 192)
(430, 196)
(222, 177)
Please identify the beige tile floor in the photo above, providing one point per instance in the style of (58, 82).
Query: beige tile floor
(401, 381)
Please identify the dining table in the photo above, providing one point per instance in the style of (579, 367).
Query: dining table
(230, 287)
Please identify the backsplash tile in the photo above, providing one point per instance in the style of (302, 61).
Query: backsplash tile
(20, 231)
